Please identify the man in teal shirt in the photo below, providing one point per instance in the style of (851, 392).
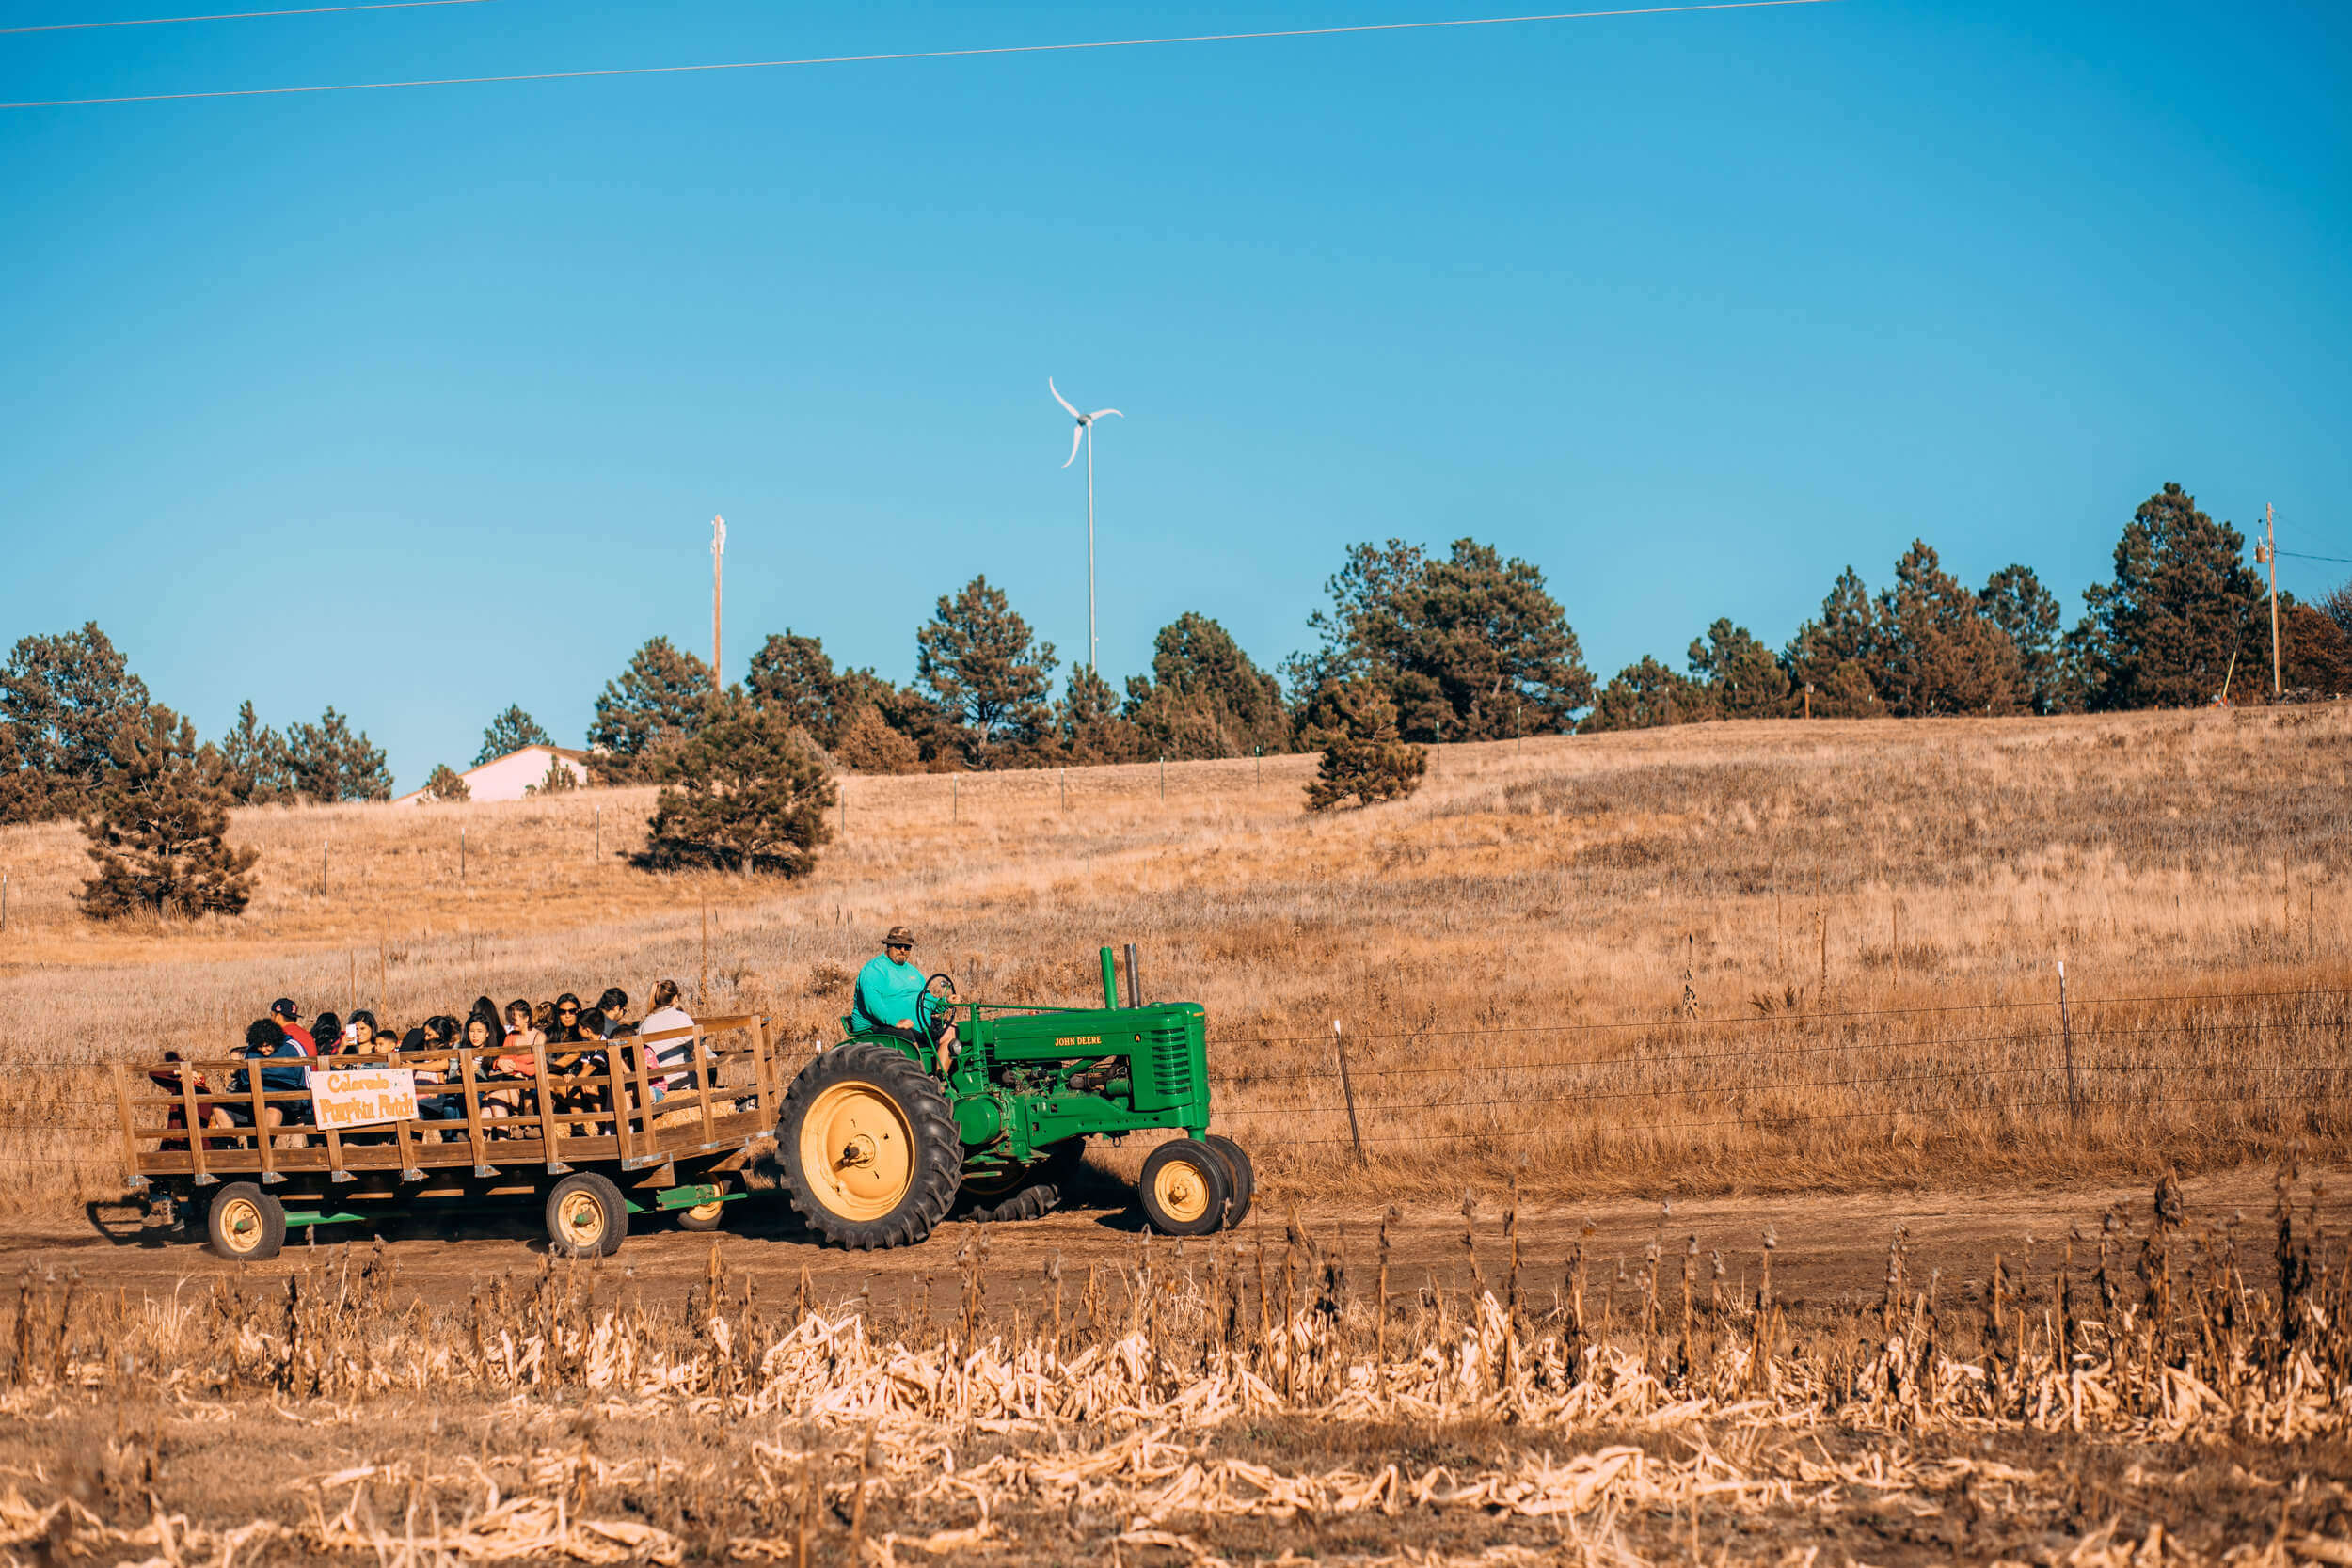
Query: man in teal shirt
(890, 993)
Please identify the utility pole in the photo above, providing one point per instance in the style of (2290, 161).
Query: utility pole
(718, 561)
(2267, 554)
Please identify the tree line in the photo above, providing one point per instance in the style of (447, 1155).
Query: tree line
(1413, 647)
(2184, 621)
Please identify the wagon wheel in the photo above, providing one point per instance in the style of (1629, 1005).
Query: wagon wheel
(702, 1216)
(244, 1224)
(869, 1149)
(586, 1215)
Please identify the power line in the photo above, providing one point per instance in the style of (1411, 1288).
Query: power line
(236, 16)
(918, 55)
(2339, 560)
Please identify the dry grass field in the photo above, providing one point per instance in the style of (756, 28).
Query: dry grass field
(1723, 957)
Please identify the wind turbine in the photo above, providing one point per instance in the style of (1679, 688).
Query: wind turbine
(1085, 433)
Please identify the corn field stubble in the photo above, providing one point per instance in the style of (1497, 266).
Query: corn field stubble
(2170, 1391)
(1723, 957)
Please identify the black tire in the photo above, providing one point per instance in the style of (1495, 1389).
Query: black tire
(1245, 1178)
(243, 1223)
(1184, 1188)
(1030, 1192)
(703, 1218)
(586, 1216)
(904, 1156)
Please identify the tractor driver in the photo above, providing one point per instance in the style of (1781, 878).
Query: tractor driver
(890, 998)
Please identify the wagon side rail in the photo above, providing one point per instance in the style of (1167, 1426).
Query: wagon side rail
(605, 1102)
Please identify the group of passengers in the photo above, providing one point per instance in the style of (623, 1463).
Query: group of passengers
(579, 1046)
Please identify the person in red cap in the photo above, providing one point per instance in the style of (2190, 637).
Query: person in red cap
(288, 1017)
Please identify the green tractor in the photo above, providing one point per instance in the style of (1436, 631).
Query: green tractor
(883, 1134)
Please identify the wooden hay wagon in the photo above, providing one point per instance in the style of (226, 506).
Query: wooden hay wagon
(247, 1150)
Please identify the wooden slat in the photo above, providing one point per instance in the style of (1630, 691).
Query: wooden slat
(474, 1142)
(405, 1139)
(130, 1143)
(617, 1090)
(334, 1152)
(262, 1140)
(554, 1156)
(704, 1072)
(196, 1126)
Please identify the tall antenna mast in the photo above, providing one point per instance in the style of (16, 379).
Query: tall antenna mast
(718, 562)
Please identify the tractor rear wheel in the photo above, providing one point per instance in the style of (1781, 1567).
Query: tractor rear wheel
(869, 1149)
(1245, 1178)
(1184, 1188)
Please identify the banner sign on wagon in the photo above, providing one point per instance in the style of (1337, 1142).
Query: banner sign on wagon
(362, 1097)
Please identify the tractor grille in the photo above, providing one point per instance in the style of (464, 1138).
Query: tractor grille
(1169, 1052)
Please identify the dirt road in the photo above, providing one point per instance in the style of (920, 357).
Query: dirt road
(1829, 1248)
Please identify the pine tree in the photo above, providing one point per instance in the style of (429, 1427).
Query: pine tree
(652, 705)
(260, 769)
(445, 784)
(1648, 695)
(1835, 653)
(158, 825)
(509, 733)
(1472, 647)
(1743, 677)
(795, 676)
(1089, 724)
(1935, 654)
(331, 762)
(1355, 725)
(1204, 697)
(2014, 600)
(2184, 602)
(977, 660)
(2314, 654)
(61, 698)
(743, 792)
(867, 744)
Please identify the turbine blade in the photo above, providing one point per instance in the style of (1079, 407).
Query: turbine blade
(1063, 401)
(1077, 433)
(1100, 412)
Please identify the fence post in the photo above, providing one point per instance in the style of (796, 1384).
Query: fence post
(955, 800)
(599, 854)
(1347, 1088)
(1065, 789)
(461, 857)
(1162, 775)
(3, 900)
(323, 868)
(2066, 1030)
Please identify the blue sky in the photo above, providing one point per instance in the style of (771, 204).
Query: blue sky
(419, 402)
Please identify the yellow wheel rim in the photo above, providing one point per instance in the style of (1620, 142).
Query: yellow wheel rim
(1180, 1191)
(857, 1150)
(702, 1212)
(241, 1225)
(580, 1217)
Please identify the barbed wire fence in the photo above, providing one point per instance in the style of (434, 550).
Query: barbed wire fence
(2274, 1066)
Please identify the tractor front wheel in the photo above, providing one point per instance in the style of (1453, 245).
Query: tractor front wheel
(1245, 1178)
(1184, 1188)
(869, 1149)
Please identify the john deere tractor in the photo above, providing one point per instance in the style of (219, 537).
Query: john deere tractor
(884, 1134)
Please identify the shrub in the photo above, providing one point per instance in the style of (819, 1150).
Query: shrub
(745, 792)
(558, 778)
(156, 833)
(444, 784)
(1354, 723)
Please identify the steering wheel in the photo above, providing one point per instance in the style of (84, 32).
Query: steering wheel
(941, 990)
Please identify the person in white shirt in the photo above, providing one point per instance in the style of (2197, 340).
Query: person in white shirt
(666, 1016)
